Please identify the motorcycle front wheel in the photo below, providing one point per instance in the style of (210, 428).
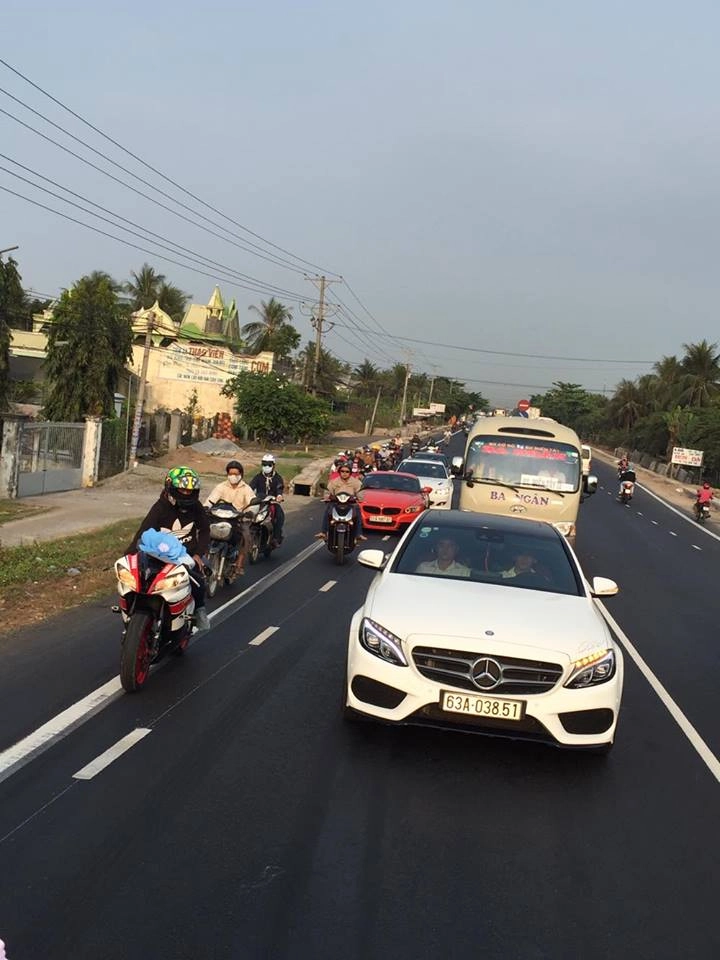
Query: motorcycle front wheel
(135, 652)
(340, 552)
(213, 578)
(253, 550)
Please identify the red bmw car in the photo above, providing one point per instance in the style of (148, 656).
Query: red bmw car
(390, 501)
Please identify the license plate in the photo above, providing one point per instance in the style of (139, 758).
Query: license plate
(372, 519)
(474, 706)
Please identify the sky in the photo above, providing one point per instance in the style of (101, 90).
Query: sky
(529, 178)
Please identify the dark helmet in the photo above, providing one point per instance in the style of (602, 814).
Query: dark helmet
(182, 486)
(234, 465)
(706, 484)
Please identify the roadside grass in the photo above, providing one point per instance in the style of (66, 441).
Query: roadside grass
(49, 561)
(12, 510)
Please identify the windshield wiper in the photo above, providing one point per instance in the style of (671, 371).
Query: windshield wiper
(540, 486)
(495, 483)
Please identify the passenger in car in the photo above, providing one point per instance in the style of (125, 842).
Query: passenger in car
(524, 565)
(444, 564)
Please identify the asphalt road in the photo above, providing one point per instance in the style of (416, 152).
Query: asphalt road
(250, 822)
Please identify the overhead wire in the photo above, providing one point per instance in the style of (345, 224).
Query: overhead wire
(159, 173)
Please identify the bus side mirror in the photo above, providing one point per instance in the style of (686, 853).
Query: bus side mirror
(591, 483)
(456, 466)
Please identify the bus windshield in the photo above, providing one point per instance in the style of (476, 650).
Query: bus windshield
(530, 462)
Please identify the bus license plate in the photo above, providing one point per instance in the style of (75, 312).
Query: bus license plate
(490, 707)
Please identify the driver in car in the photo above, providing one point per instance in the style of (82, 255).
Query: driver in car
(524, 564)
(444, 564)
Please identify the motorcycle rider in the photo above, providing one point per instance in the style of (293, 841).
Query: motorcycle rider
(704, 495)
(236, 492)
(269, 483)
(178, 511)
(345, 483)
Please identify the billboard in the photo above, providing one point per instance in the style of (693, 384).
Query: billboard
(688, 458)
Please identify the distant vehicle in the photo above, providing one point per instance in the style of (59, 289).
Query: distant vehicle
(586, 454)
(390, 501)
(434, 476)
(544, 665)
(526, 468)
(430, 455)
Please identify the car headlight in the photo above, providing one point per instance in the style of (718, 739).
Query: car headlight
(415, 508)
(566, 528)
(381, 643)
(588, 671)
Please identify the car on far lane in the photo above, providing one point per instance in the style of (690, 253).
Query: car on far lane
(431, 456)
(433, 474)
(390, 500)
(485, 624)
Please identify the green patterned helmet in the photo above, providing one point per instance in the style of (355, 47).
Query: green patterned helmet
(183, 485)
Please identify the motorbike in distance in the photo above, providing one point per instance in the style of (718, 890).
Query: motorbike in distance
(627, 486)
(342, 535)
(156, 605)
(225, 520)
(702, 511)
(260, 518)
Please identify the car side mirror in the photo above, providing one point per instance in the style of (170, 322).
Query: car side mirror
(602, 587)
(591, 482)
(456, 466)
(375, 559)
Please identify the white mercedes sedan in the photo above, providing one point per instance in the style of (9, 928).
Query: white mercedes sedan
(434, 477)
(485, 624)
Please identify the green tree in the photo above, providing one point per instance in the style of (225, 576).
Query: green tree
(276, 410)
(273, 330)
(172, 300)
(625, 405)
(88, 345)
(365, 378)
(568, 403)
(701, 368)
(12, 310)
(144, 287)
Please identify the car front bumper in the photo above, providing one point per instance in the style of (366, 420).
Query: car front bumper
(396, 694)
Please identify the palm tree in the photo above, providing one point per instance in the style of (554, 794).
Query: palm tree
(701, 366)
(669, 375)
(261, 333)
(172, 300)
(365, 377)
(625, 404)
(144, 287)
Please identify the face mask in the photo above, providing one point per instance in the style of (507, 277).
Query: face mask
(267, 470)
(234, 479)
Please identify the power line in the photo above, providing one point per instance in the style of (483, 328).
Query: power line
(140, 193)
(271, 288)
(128, 243)
(160, 173)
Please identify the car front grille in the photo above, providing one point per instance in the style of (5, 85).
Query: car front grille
(387, 511)
(453, 668)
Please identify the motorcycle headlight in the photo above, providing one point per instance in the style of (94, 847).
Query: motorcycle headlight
(415, 508)
(588, 671)
(125, 577)
(381, 643)
(171, 582)
(566, 528)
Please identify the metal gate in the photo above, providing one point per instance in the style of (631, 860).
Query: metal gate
(50, 458)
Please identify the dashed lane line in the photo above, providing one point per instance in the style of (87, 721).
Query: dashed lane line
(695, 547)
(262, 637)
(679, 513)
(672, 533)
(327, 586)
(97, 765)
(701, 748)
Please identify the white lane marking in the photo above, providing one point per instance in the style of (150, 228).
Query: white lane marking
(639, 514)
(117, 750)
(327, 586)
(654, 522)
(386, 537)
(35, 743)
(262, 637)
(24, 750)
(704, 752)
(672, 533)
(695, 547)
(679, 513)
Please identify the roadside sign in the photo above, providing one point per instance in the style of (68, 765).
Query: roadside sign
(523, 405)
(688, 458)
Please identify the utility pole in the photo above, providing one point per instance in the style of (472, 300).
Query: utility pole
(374, 413)
(317, 321)
(404, 397)
(140, 397)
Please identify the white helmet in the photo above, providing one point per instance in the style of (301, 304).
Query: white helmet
(267, 463)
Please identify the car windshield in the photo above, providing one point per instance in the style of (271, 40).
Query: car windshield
(424, 469)
(391, 481)
(516, 558)
(525, 462)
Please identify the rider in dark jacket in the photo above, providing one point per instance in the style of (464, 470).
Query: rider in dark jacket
(269, 483)
(178, 511)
